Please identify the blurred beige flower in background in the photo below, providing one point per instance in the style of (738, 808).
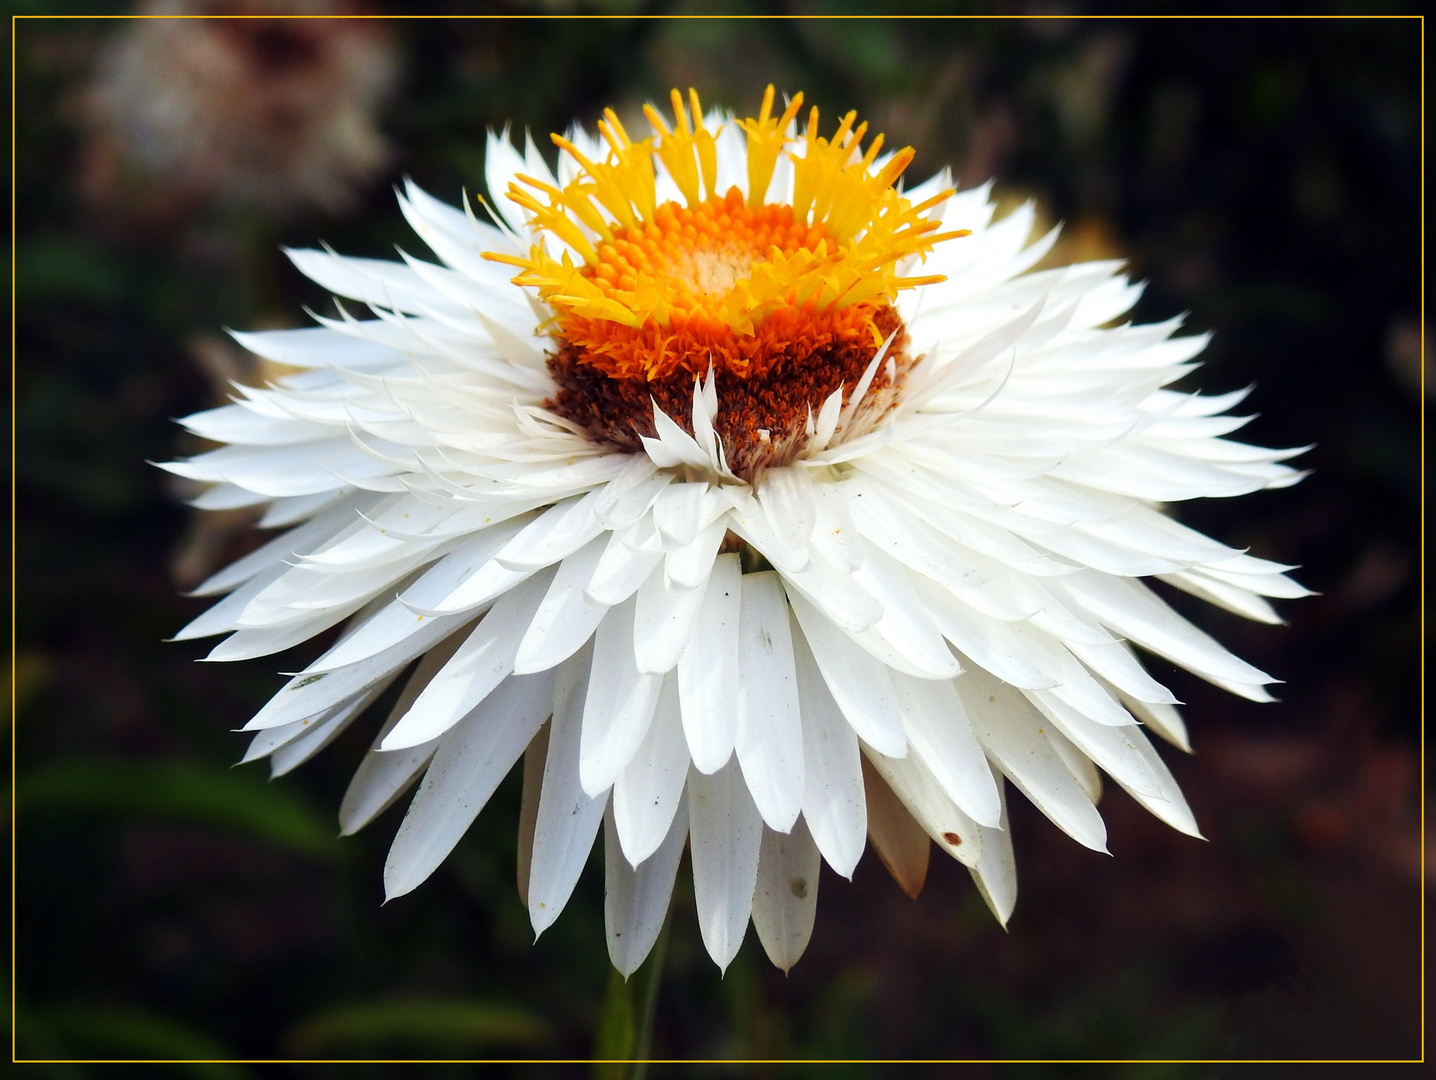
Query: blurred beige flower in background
(267, 114)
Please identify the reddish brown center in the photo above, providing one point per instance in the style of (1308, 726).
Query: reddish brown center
(761, 416)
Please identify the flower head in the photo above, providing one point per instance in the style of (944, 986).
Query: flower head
(770, 507)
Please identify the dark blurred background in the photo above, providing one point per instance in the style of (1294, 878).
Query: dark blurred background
(1261, 176)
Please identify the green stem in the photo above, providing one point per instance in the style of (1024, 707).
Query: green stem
(625, 1029)
(653, 969)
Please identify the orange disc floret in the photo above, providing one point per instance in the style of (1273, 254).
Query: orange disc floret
(691, 342)
(696, 255)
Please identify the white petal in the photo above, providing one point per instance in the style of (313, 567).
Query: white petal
(1116, 664)
(483, 661)
(987, 642)
(568, 816)
(787, 498)
(1165, 720)
(885, 524)
(913, 783)
(621, 570)
(312, 692)
(708, 678)
(1011, 732)
(296, 752)
(555, 534)
(619, 703)
(678, 512)
(381, 777)
(859, 682)
(566, 617)
(940, 733)
(1113, 748)
(635, 901)
(1078, 763)
(1133, 610)
(785, 901)
(833, 803)
(833, 591)
(663, 622)
(995, 874)
(1127, 756)
(770, 735)
(646, 794)
(906, 637)
(690, 565)
(471, 761)
(750, 522)
(502, 163)
(297, 541)
(725, 833)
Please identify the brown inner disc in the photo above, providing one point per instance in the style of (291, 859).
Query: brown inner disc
(617, 412)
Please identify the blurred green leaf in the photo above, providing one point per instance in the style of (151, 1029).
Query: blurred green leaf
(74, 271)
(180, 791)
(457, 1023)
(101, 1032)
(31, 671)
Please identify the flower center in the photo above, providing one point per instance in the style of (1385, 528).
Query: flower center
(783, 300)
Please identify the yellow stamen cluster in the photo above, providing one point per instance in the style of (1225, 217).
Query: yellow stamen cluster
(639, 277)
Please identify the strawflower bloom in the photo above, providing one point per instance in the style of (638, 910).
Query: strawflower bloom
(756, 502)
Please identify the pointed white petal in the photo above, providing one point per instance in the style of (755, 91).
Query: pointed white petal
(995, 874)
(913, 783)
(833, 803)
(568, 816)
(1134, 611)
(619, 703)
(770, 734)
(1115, 749)
(621, 570)
(664, 620)
(708, 679)
(470, 762)
(295, 753)
(1011, 732)
(859, 682)
(785, 901)
(787, 498)
(382, 777)
(725, 833)
(1165, 720)
(940, 733)
(689, 566)
(566, 617)
(635, 901)
(1078, 764)
(645, 796)
(483, 661)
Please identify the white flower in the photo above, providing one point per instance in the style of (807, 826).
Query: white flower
(769, 508)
